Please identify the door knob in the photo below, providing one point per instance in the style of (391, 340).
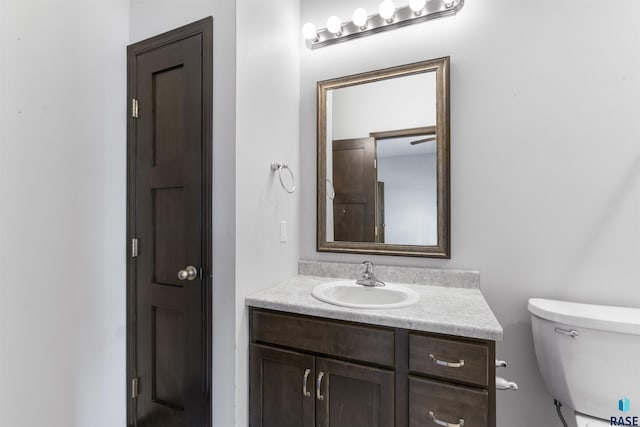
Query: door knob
(188, 273)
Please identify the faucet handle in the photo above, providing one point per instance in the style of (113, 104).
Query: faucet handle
(368, 278)
(368, 266)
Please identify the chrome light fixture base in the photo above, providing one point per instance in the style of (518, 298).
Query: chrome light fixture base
(376, 24)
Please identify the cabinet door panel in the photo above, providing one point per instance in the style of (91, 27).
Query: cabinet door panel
(276, 391)
(354, 395)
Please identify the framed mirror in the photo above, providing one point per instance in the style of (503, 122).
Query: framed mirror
(383, 161)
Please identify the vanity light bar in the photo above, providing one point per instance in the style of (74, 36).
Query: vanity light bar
(402, 16)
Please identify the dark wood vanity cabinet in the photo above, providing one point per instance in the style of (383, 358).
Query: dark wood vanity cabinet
(277, 397)
(310, 371)
(290, 389)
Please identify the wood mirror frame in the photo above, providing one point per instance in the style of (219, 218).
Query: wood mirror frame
(443, 248)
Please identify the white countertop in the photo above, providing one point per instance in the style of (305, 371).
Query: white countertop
(445, 310)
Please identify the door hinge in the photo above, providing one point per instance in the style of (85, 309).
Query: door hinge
(134, 247)
(375, 163)
(134, 108)
(134, 388)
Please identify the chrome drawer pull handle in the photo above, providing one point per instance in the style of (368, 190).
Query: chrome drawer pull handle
(318, 385)
(305, 393)
(572, 333)
(437, 361)
(444, 423)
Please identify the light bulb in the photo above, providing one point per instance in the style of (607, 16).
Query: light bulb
(309, 31)
(387, 9)
(417, 6)
(334, 25)
(360, 18)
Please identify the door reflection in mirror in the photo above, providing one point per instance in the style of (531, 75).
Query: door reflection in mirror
(381, 157)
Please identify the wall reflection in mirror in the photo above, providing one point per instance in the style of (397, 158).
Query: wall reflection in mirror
(383, 161)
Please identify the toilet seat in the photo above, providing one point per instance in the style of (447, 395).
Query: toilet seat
(586, 421)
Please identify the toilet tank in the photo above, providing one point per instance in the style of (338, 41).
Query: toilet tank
(588, 355)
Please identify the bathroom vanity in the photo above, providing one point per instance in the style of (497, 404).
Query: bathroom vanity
(316, 364)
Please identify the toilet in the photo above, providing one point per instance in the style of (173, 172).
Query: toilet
(589, 358)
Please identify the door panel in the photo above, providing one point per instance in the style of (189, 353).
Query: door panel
(167, 375)
(354, 395)
(169, 350)
(276, 391)
(169, 241)
(354, 182)
(167, 145)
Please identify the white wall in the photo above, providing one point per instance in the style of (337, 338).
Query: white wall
(152, 17)
(410, 199)
(62, 195)
(385, 105)
(62, 205)
(267, 130)
(545, 160)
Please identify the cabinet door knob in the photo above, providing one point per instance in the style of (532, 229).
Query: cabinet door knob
(318, 385)
(458, 364)
(444, 423)
(306, 393)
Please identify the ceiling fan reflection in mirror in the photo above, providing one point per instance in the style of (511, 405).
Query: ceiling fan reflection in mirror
(420, 141)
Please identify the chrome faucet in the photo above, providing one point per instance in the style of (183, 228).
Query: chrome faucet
(368, 278)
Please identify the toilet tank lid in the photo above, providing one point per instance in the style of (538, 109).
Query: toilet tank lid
(600, 317)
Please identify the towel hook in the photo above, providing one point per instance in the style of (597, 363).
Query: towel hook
(277, 166)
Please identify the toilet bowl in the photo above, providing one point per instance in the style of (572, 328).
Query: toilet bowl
(588, 357)
(584, 421)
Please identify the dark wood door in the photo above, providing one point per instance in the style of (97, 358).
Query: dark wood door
(354, 182)
(354, 395)
(282, 388)
(169, 220)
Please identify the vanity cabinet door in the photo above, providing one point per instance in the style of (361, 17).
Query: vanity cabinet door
(349, 395)
(278, 396)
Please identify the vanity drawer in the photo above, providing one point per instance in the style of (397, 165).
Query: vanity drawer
(448, 358)
(337, 338)
(433, 401)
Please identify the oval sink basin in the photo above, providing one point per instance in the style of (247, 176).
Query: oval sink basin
(347, 293)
